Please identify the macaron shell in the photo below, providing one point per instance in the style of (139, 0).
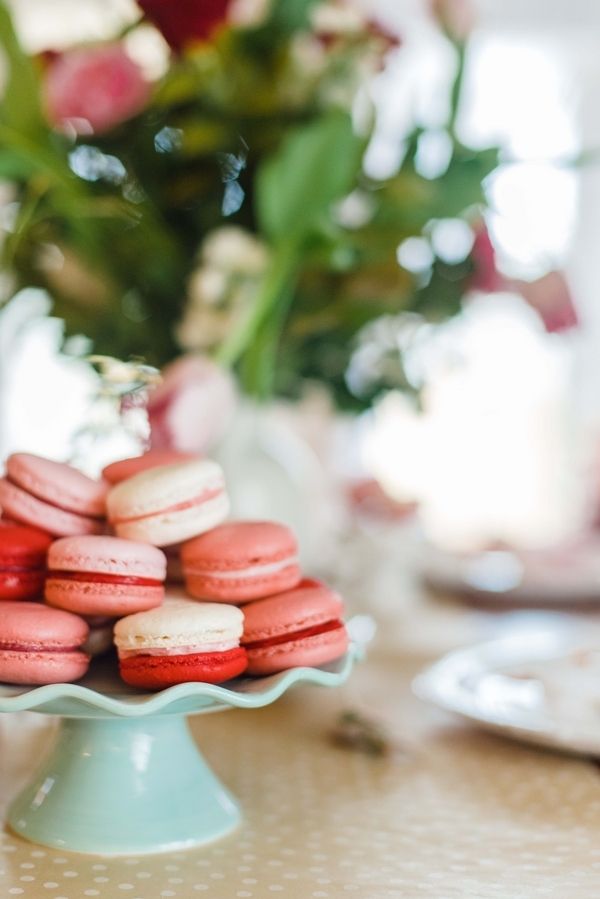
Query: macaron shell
(23, 546)
(21, 584)
(167, 528)
(242, 589)
(107, 555)
(309, 604)
(93, 598)
(238, 544)
(57, 483)
(123, 469)
(25, 507)
(36, 625)
(42, 667)
(180, 622)
(159, 489)
(312, 651)
(159, 672)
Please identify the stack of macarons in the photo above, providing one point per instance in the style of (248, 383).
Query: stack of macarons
(83, 562)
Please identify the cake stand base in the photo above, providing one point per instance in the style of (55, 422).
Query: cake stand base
(124, 786)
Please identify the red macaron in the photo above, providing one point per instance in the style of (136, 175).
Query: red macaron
(302, 627)
(22, 561)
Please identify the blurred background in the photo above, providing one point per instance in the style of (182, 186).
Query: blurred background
(361, 237)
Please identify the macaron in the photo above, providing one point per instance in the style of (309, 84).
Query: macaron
(22, 561)
(170, 503)
(52, 496)
(240, 561)
(40, 645)
(126, 468)
(302, 627)
(181, 641)
(104, 576)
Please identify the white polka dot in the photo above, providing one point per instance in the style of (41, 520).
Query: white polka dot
(167, 893)
(126, 886)
(320, 894)
(98, 867)
(100, 879)
(26, 878)
(243, 893)
(91, 892)
(276, 888)
(132, 861)
(70, 874)
(26, 865)
(16, 891)
(50, 885)
(216, 875)
(200, 886)
(37, 853)
(63, 861)
(171, 867)
(175, 880)
(143, 874)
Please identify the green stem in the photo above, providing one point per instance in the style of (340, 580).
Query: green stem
(457, 86)
(278, 277)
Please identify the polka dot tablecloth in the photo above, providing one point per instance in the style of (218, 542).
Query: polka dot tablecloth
(452, 813)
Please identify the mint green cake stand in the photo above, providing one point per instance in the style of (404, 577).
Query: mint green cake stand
(125, 776)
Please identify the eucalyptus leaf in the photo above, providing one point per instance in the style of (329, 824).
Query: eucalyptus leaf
(316, 164)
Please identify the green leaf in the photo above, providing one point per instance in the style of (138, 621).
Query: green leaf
(290, 16)
(315, 165)
(20, 106)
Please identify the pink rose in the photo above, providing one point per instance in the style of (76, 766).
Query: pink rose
(551, 297)
(455, 17)
(486, 276)
(192, 407)
(92, 89)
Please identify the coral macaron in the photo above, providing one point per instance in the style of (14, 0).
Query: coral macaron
(240, 561)
(22, 561)
(52, 496)
(302, 627)
(169, 503)
(104, 576)
(39, 645)
(179, 642)
(127, 468)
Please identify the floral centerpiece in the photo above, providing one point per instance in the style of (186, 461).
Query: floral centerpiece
(224, 207)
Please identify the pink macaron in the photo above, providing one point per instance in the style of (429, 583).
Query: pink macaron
(40, 645)
(302, 627)
(168, 504)
(104, 576)
(52, 496)
(240, 561)
(127, 468)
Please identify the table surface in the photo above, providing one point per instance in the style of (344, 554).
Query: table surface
(452, 812)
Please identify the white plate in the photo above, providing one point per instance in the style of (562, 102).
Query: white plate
(543, 688)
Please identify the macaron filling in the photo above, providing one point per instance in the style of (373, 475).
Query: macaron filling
(234, 574)
(313, 631)
(97, 577)
(38, 647)
(64, 507)
(207, 649)
(204, 497)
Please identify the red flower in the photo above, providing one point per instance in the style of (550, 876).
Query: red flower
(486, 276)
(94, 88)
(183, 22)
(551, 298)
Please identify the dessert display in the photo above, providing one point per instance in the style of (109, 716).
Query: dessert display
(302, 627)
(40, 645)
(22, 561)
(52, 496)
(169, 503)
(181, 641)
(240, 561)
(246, 609)
(104, 576)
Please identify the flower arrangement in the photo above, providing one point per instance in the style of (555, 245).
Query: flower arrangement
(224, 207)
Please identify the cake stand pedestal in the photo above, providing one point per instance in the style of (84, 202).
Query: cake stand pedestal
(125, 776)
